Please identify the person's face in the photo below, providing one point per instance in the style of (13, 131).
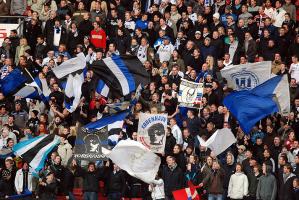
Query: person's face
(111, 48)
(276, 141)
(266, 154)
(209, 161)
(170, 161)
(238, 168)
(57, 24)
(95, 25)
(8, 164)
(175, 71)
(134, 136)
(229, 159)
(57, 160)
(18, 107)
(10, 143)
(25, 166)
(277, 4)
(286, 170)
(91, 168)
(176, 150)
(5, 132)
(281, 161)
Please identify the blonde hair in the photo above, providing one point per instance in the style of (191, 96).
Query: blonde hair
(210, 62)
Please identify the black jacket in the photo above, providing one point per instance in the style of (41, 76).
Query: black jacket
(286, 189)
(116, 182)
(90, 179)
(173, 179)
(50, 37)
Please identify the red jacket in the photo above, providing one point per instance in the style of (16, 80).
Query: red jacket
(98, 38)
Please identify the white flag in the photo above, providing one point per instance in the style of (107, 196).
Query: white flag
(135, 159)
(219, 141)
(247, 76)
(70, 66)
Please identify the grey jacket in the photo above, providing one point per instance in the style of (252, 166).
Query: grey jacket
(267, 188)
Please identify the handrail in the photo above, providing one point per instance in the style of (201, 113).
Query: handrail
(9, 16)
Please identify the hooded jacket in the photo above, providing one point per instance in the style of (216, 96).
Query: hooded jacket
(238, 186)
(267, 186)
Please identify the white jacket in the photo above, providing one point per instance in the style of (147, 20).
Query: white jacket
(19, 181)
(238, 186)
(157, 189)
(65, 152)
(177, 134)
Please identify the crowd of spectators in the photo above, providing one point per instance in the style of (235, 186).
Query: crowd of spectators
(173, 39)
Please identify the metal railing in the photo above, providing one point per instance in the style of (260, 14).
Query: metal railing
(14, 20)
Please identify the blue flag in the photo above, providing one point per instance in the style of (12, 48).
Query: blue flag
(250, 106)
(12, 82)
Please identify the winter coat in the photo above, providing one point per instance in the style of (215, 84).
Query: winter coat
(116, 182)
(214, 181)
(48, 192)
(238, 186)
(173, 179)
(90, 179)
(253, 182)
(65, 152)
(267, 187)
(286, 188)
(19, 181)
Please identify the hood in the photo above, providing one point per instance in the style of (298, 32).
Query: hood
(268, 169)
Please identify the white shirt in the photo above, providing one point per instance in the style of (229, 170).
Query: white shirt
(57, 37)
(177, 134)
(164, 52)
(193, 17)
(269, 12)
(279, 17)
(157, 189)
(294, 71)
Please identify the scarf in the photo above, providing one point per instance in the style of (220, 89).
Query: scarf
(172, 168)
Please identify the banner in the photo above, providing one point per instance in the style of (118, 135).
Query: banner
(88, 145)
(190, 93)
(247, 76)
(152, 131)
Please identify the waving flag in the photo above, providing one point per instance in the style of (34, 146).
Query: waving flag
(247, 76)
(219, 141)
(73, 70)
(112, 121)
(102, 88)
(36, 150)
(135, 159)
(250, 106)
(122, 74)
(13, 82)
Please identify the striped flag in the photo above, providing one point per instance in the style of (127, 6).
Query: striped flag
(118, 107)
(122, 74)
(35, 150)
(102, 88)
(112, 121)
(73, 69)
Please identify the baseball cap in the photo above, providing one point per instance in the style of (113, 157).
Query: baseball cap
(197, 32)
